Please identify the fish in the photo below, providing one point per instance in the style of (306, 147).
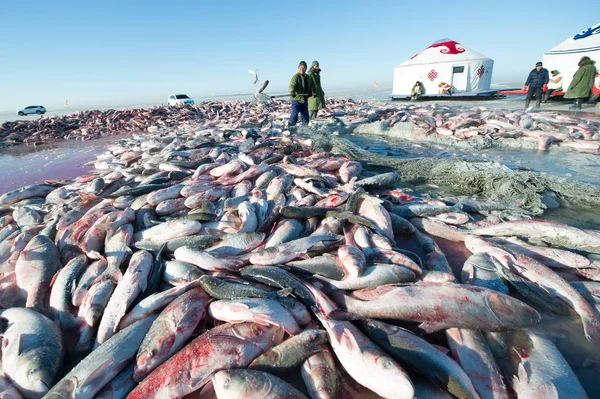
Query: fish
(553, 233)
(34, 270)
(237, 384)
(532, 270)
(408, 348)
(262, 311)
(471, 351)
(488, 310)
(539, 368)
(97, 369)
(170, 331)
(32, 350)
(284, 357)
(319, 375)
(366, 362)
(61, 293)
(135, 281)
(227, 346)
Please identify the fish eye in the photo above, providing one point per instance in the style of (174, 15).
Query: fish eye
(226, 382)
(386, 364)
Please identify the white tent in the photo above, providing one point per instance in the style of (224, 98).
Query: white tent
(444, 61)
(566, 55)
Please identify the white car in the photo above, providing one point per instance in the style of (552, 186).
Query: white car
(180, 99)
(32, 109)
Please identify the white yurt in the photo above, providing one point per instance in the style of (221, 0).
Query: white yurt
(566, 55)
(444, 61)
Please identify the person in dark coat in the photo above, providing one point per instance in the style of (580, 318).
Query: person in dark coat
(582, 83)
(300, 89)
(536, 82)
(316, 102)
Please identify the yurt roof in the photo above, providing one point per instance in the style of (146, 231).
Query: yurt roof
(444, 50)
(583, 42)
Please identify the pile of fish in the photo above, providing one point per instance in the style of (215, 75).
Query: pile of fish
(237, 263)
(90, 125)
(543, 128)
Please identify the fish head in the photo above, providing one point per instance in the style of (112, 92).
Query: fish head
(145, 362)
(65, 388)
(391, 376)
(297, 310)
(228, 384)
(35, 371)
(512, 311)
(262, 336)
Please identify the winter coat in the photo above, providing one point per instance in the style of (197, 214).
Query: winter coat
(537, 78)
(300, 84)
(583, 80)
(318, 101)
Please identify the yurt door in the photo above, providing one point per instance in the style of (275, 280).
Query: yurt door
(460, 77)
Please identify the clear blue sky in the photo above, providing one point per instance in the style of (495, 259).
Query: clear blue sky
(127, 52)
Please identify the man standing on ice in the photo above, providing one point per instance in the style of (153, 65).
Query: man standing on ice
(536, 82)
(316, 102)
(300, 89)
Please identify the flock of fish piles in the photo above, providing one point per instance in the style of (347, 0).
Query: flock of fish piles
(238, 263)
(542, 129)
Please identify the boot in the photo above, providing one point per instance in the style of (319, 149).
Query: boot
(527, 103)
(576, 104)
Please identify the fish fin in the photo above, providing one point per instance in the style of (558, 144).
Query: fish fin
(224, 342)
(102, 226)
(140, 280)
(116, 277)
(94, 255)
(3, 326)
(524, 372)
(100, 371)
(348, 340)
(19, 344)
(27, 255)
(262, 319)
(546, 391)
(216, 233)
(73, 287)
(455, 334)
(445, 351)
(238, 307)
(429, 328)
(54, 278)
(208, 391)
(284, 293)
(342, 315)
(302, 255)
(88, 197)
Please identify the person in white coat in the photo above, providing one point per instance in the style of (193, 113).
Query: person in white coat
(554, 84)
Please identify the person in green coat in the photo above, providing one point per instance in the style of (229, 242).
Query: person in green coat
(316, 102)
(582, 83)
(300, 89)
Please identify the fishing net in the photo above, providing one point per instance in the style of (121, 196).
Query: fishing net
(475, 178)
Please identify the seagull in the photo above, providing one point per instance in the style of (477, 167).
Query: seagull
(253, 73)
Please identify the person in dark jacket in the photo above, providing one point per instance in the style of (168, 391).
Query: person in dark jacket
(316, 102)
(536, 81)
(582, 83)
(300, 89)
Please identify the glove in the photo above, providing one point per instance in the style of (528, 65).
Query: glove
(545, 88)
(525, 88)
(570, 87)
(293, 93)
